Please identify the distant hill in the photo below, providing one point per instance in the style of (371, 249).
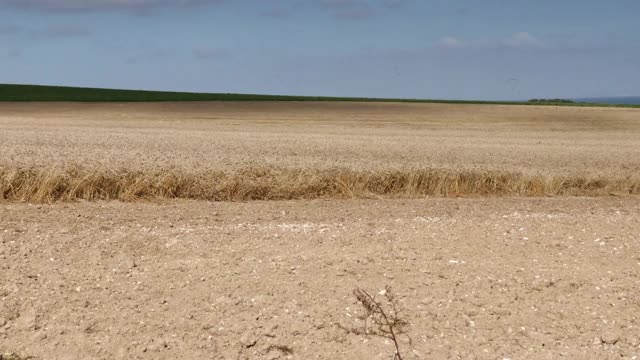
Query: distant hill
(17, 92)
(622, 100)
(26, 93)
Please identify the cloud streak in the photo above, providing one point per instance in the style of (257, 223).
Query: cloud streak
(358, 9)
(60, 31)
(206, 53)
(276, 13)
(9, 29)
(518, 40)
(89, 5)
(13, 54)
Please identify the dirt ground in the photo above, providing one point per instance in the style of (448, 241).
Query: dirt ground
(492, 278)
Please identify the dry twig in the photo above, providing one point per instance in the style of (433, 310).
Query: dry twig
(388, 324)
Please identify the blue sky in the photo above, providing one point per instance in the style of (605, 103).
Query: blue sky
(447, 49)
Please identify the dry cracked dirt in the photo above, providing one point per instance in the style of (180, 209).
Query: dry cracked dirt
(479, 278)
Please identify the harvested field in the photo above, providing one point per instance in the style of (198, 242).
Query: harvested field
(499, 274)
(275, 151)
(488, 278)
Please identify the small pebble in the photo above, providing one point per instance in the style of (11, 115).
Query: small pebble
(610, 337)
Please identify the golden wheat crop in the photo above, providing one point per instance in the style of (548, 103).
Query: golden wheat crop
(48, 185)
(265, 151)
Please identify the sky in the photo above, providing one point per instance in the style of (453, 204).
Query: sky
(436, 49)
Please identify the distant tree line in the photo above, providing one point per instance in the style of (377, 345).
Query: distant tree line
(555, 101)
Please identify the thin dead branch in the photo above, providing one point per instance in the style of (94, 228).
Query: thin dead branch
(388, 323)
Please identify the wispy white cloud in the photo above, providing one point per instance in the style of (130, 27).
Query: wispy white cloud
(276, 13)
(451, 42)
(358, 9)
(60, 31)
(13, 53)
(522, 39)
(393, 4)
(78, 5)
(209, 53)
(147, 55)
(517, 40)
(7, 29)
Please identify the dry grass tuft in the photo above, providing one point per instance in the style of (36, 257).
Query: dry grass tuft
(46, 185)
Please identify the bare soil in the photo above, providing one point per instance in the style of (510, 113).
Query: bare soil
(490, 278)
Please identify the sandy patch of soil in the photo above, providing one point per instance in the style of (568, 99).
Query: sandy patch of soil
(478, 278)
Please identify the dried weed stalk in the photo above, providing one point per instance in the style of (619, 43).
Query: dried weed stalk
(386, 323)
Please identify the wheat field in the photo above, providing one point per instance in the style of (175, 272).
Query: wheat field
(237, 151)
